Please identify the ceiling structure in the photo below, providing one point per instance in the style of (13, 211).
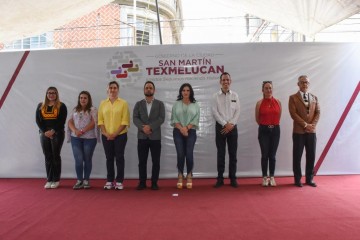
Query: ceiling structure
(307, 17)
(24, 18)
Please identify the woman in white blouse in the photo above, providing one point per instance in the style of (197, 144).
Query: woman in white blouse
(83, 134)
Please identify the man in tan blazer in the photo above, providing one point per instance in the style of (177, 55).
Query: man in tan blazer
(305, 111)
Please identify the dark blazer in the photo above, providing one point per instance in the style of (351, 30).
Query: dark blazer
(299, 112)
(155, 118)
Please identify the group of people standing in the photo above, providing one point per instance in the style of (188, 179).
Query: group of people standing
(86, 125)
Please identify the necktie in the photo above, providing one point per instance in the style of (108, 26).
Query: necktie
(306, 102)
(305, 98)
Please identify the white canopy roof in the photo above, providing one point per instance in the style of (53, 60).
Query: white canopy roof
(25, 18)
(304, 16)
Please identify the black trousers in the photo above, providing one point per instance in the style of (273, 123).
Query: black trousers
(51, 148)
(144, 145)
(115, 149)
(269, 137)
(307, 140)
(232, 141)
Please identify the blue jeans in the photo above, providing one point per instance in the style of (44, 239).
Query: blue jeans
(83, 150)
(269, 141)
(184, 149)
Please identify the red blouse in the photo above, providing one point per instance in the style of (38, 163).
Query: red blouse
(269, 112)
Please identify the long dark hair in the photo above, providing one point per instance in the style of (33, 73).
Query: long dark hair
(191, 97)
(78, 107)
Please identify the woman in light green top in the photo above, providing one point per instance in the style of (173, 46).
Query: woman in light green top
(185, 120)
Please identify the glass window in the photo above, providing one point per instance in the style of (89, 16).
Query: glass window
(34, 42)
(26, 43)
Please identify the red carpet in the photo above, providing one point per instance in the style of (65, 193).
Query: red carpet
(330, 211)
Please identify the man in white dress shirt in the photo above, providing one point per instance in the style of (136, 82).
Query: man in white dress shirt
(226, 111)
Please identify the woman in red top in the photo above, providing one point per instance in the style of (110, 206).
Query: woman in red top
(267, 115)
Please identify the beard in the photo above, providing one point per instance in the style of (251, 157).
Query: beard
(149, 94)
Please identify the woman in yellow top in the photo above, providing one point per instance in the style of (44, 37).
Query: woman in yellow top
(114, 120)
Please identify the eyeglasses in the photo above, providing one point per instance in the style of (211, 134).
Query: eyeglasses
(51, 93)
(304, 82)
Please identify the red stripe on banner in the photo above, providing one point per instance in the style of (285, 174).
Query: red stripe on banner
(13, 78)
(337, 128)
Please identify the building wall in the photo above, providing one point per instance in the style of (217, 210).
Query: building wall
(167, 36)
(100, 28)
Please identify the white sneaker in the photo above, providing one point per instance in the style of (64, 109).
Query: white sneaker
(272, 182)
(108, 185)
(48, 185)
(265, 182)
(119, 186)
(86, 184)
(54, 185)
(78, 185)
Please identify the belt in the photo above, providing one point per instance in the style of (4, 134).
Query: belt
(269, 126)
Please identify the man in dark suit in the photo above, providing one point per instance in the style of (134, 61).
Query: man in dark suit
(305, 111)
(148, 115)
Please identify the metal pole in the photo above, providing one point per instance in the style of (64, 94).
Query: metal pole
(134, 13)
(158, 18)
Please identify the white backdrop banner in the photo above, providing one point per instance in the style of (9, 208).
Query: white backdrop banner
(333, 70)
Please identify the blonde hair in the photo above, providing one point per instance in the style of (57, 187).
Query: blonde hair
(46, 101)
